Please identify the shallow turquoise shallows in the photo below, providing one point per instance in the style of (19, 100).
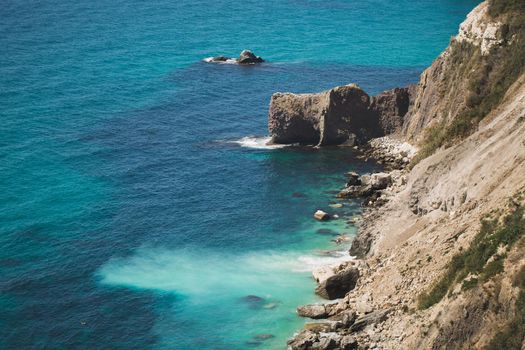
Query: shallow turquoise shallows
(139, 207)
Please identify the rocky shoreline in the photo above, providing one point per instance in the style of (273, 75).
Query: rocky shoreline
(438, 263)
(338, 324)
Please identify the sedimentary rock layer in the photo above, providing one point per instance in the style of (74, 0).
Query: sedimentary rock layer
(342, 114)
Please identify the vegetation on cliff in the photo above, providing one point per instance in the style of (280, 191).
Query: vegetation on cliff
(489, 76)
(512, 335)
(483, 259)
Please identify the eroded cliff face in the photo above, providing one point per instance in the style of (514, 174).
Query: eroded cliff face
(443, 91)
(409, 244)
(441, 265)
(342, 114)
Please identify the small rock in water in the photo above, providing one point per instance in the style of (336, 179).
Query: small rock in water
(321, 215)
(336, 205)
(340, 239)
(248, 57)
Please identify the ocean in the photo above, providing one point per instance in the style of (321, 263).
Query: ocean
(139, 205)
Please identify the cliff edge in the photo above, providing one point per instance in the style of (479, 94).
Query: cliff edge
(441, 262)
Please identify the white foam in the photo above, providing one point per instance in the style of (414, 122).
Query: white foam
(311, 262)
(203, 272)
(256, 142)
(228, 61)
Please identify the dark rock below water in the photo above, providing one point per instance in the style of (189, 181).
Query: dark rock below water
(253, 301)
(263, 337)
(259, 339)
(326, 231)
(338, 285)
(299, 195)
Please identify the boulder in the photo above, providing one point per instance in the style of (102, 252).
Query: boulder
(356, 191)
(353, 179)
(342, 115)
(325, 343)
(314, 311)
(321, 215)
(248, 57)
(338, 285)
(303, 341)
(320, 327)
(348, 343)
(380, 181)
(368, 319)
(322, 273)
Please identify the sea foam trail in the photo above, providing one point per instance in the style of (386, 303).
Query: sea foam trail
(197, 273)
(262, 142)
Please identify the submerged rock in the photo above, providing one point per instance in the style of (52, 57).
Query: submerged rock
(253, 301)
(259, 339)
(338, 285)
(326, 231)
(299, 195)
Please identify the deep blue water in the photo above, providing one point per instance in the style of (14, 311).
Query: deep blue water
(130, 215)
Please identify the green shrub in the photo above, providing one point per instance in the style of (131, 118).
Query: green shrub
(512, 335)
(473, 260)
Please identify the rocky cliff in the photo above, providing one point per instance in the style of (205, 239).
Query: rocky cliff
(441, 262)
(342, 114)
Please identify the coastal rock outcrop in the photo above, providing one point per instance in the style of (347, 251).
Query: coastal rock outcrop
(245, 57)
(339, 284)
(342, 115)
(312, 311)
(248, 57)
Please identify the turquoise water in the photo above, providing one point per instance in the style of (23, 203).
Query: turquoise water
(132, 214)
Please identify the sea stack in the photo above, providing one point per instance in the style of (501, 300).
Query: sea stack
(342, 115)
